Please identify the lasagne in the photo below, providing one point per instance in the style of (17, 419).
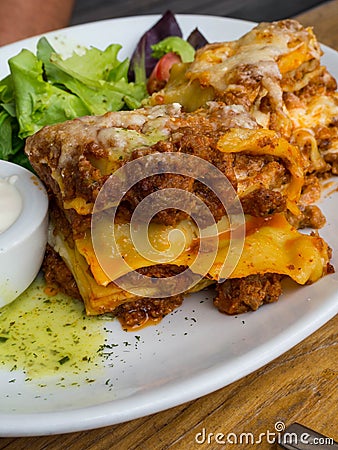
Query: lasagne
(260, 110)
(275, 72)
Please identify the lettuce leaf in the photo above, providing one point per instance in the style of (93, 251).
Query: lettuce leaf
(176, 45)
(97, 77)
(11, 146)
(38, 102)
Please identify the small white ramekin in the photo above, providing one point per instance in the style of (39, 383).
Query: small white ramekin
(23, 244)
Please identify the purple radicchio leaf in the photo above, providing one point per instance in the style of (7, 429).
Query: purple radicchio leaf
(141, 58)
(196, 39)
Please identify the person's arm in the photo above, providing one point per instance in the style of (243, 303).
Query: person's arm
(24, 18)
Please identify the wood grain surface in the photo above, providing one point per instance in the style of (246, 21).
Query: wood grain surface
(324, 20)
(299, 386)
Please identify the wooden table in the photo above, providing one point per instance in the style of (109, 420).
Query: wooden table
(301, 385)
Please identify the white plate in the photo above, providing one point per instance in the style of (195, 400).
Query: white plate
(193, 351)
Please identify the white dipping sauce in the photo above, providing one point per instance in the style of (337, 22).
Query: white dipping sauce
(10, 202)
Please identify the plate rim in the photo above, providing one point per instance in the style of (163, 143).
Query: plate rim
(102, 415)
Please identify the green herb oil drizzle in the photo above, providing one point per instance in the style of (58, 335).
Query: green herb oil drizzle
(48, 335)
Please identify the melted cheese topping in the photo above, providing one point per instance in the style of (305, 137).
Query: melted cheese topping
(319, 110)
(273, 49)
(271, 59)
(214, 63)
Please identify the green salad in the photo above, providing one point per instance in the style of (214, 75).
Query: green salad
(45, 89)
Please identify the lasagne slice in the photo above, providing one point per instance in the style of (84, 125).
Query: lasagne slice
(76, 158)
